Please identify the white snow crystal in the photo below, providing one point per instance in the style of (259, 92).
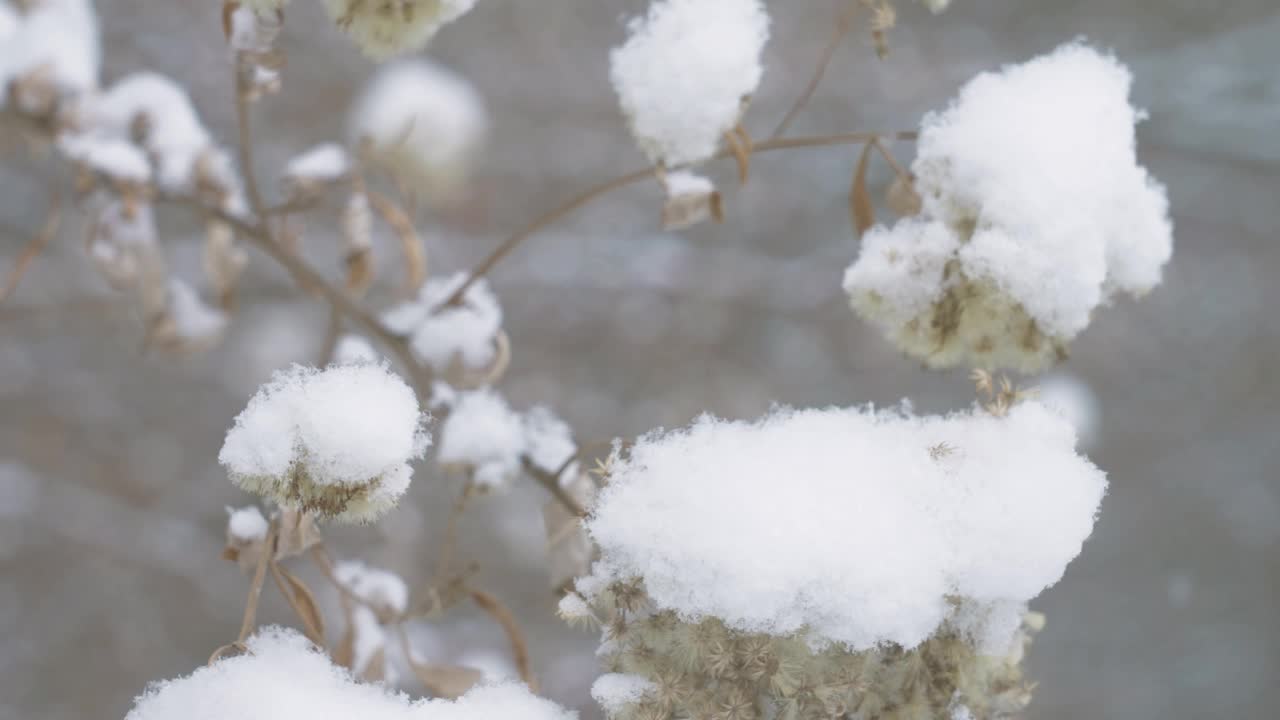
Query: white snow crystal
(686, 72)
(387, 28)
(423, 123)
(246, 524)
(1035, 214)
(283, 677)
(850, 525)
(336, 441)
(614, 691)
(484, 435)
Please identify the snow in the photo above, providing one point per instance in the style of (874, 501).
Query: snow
(115, 158)
(283, 677)
(319, 165)
(485, 436)
(614, 691)
(685, 73)
(548, 440)
(172, 132)
(852, 526)
(190, 324)
(385, 29)
(246, 524)
(1072, 398)
(1035, 214)
(422, 122)
(354, 349)
(382, 589)
(61, 35)
(443, 336)
(315, 437)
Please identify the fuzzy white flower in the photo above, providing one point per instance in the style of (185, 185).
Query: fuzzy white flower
(391, 27)
(850, 526)
(421, 122)
(282, 676)
(336, 442)
(686, 72)
(1035, 214)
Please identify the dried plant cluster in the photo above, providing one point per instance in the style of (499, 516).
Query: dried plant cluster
(728, 565)
(663, 667)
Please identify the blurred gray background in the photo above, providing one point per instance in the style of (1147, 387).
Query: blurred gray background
(111, 500)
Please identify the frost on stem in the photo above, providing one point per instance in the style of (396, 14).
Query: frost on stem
(422, 123)
(1035, 214)
(283, 677)
(383, 28)
(824, 558)
(334, 442)
(686, 73)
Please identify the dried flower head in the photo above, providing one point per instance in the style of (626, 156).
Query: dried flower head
(383, 28)
(686, 72)
(336, 442)
(1035, 213)
(422, 123)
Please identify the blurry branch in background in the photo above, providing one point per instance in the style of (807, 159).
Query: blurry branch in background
(844, 23)
(33, 248)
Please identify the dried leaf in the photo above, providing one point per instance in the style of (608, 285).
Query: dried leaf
(228, 10)
(691, 199)
(739, 143)
(298, 533)
(304, 604)
(446, 681)
(415, 254)
(860, 206)
(33, 248)
(375, 670)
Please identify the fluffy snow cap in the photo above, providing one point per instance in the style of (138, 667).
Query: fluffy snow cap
(283, 677)
(849, 525)
(1035, 214)
(685, 73)
(335, 441)
(422, 122)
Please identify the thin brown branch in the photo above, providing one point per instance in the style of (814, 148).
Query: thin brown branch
(587, 196)
(332, 333)
(308, 615)
(897, 167)
(33, 248)
(844, 23)
(248, 622)
(519, 648)
(450, 544)
(246, 140)
(551, 482)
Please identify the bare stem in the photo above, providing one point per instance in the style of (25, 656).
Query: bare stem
(844, 23)
(519, 648)
(33, 248)
(255, 588)
(445, 558)
(246, 143)
(587, 196)
(551, 482)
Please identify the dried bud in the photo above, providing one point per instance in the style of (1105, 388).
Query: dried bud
(902, 197)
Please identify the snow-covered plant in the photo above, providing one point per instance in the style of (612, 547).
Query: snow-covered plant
(421, 122)
(282, 675)
(1036, 213)
(847, 549)
(686, 73)
(815, 563)
(392, 27)
(335, 442)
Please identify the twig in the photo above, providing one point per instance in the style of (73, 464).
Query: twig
(552, 484)
(445, 558)
(889, 158)
(604, 188)
(519, 648)
(255, 588)
(246, 144)
(33, 248)
(332, 334)
(844, 23)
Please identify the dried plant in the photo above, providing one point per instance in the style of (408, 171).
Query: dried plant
(938, 631)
